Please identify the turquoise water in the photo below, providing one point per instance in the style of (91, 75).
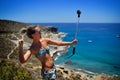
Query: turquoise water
(98, 48)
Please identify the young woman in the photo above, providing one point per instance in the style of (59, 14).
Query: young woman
(40, 49)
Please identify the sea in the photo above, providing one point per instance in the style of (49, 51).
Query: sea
(97, 50)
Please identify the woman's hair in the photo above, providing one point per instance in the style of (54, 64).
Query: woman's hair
(29, 31)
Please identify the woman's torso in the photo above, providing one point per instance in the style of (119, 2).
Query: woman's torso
(45, 59)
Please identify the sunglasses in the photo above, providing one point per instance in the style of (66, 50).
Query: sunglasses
(38, 32)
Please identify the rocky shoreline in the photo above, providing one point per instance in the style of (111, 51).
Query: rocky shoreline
(9, 35)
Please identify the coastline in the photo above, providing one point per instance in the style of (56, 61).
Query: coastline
(70, 74)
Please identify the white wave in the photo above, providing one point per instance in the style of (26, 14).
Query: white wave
(56, 58)
(89, 72)
(86, 71)
(78, 69)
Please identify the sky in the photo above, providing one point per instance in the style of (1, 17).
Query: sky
(39, 11)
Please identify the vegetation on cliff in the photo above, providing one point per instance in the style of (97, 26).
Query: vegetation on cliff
(11, 71)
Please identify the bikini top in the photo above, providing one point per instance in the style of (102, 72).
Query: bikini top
(42, 52)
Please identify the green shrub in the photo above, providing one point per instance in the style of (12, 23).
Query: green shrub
(8, 71)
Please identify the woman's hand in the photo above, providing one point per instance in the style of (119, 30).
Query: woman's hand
(21, 41)
(74, 41)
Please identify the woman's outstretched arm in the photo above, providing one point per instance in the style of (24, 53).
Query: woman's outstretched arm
(60, 43)
(23, 57)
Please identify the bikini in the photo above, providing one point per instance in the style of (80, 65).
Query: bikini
(42, 52)
(51, 73)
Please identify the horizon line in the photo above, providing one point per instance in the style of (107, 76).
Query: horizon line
(57, 22)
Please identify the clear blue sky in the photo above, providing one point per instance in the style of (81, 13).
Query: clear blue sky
(60, 10)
